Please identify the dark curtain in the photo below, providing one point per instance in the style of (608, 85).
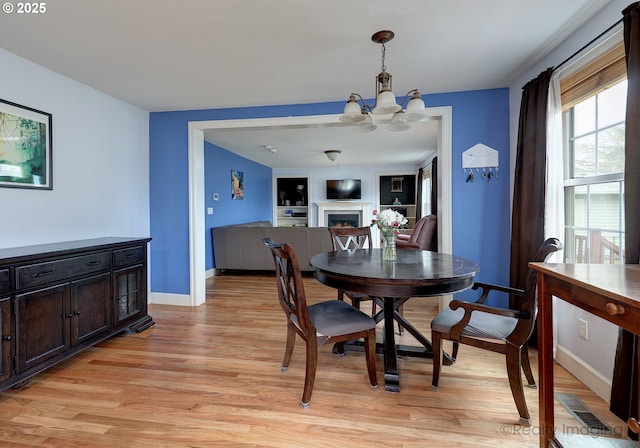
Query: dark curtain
(419, 194)
(527, 221)
(624, 388)
(434, 186)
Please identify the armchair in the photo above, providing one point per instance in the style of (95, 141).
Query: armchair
(423, 237)
(499, 330)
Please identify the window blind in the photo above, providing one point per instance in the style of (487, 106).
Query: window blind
(598, 75)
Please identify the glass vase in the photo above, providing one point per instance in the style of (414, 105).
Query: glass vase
(389, 247)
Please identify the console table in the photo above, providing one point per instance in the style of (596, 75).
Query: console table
(611, 292)
(59, 299)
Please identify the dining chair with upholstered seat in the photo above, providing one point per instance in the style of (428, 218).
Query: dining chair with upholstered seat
(499, 330)
(346, 238)
(321, 323)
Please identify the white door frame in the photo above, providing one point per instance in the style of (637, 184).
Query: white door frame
(197, 268)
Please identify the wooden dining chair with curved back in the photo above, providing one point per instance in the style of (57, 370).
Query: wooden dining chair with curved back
(346, 238)
(499, 330)
(321, 323)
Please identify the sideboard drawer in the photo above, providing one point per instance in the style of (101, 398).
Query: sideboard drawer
(128, 256)
(5, 281)
(66, 268)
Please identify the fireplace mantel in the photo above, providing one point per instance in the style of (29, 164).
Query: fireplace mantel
(341, 206)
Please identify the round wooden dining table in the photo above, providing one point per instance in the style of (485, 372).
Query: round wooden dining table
(416, 273)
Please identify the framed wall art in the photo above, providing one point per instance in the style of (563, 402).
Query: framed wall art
(25, 147)
(237, 185)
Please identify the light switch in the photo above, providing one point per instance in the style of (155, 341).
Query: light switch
(209, 210)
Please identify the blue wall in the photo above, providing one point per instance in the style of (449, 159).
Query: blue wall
(480, 209)
(256, 205)
(481, 218)
(169, 185)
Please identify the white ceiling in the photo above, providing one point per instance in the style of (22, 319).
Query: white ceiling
(299, 146)
(165, 55)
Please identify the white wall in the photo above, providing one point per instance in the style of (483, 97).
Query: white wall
(100, 162)
(590, 361)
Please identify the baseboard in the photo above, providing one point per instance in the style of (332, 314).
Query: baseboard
(209, 273)
(591, 378)
(161, 298)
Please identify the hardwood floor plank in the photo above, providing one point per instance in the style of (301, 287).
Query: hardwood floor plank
(209, 376)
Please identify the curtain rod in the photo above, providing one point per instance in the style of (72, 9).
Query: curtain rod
(587, 45)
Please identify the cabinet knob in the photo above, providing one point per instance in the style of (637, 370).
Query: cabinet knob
(633, 425)
(614, 309)
(76, 313)
(6, 338)
(68, 315)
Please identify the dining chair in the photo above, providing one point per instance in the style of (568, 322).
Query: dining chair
(321, 323)
(499, 330)
(346, 238)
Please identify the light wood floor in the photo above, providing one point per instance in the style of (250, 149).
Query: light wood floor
(210, 377)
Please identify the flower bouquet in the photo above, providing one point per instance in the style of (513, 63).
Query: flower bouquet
(389, 222)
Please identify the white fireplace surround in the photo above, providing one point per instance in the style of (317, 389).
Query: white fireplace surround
(325, 208)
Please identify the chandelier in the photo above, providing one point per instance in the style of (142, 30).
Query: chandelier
(359, 113)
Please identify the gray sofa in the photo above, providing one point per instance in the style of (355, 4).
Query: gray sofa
(240, 246)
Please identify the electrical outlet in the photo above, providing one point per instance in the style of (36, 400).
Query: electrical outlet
(583, 329)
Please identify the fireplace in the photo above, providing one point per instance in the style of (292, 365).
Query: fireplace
(333, 213)
(343, 219)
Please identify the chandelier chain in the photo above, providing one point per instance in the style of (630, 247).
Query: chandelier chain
(384, 67)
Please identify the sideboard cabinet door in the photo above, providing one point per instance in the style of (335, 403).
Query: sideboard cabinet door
(130, 299)
(6, 343)
(90, 299)
(42, 328)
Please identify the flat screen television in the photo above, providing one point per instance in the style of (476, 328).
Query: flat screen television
(344, 189)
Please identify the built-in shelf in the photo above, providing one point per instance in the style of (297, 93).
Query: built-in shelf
(293, 216)
(397, 191)
(291, 199)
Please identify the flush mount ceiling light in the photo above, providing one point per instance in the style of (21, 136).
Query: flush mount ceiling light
(359, 113)
(333, 154)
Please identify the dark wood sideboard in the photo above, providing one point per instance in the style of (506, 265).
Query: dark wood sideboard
(609, 291)
(61, 298)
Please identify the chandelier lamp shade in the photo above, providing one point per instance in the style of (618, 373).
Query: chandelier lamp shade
(357, 112)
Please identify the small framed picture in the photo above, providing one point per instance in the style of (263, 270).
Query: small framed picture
(25, 147)
(396, 184)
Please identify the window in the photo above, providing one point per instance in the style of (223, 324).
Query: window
(594, 128)
(426, 191)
